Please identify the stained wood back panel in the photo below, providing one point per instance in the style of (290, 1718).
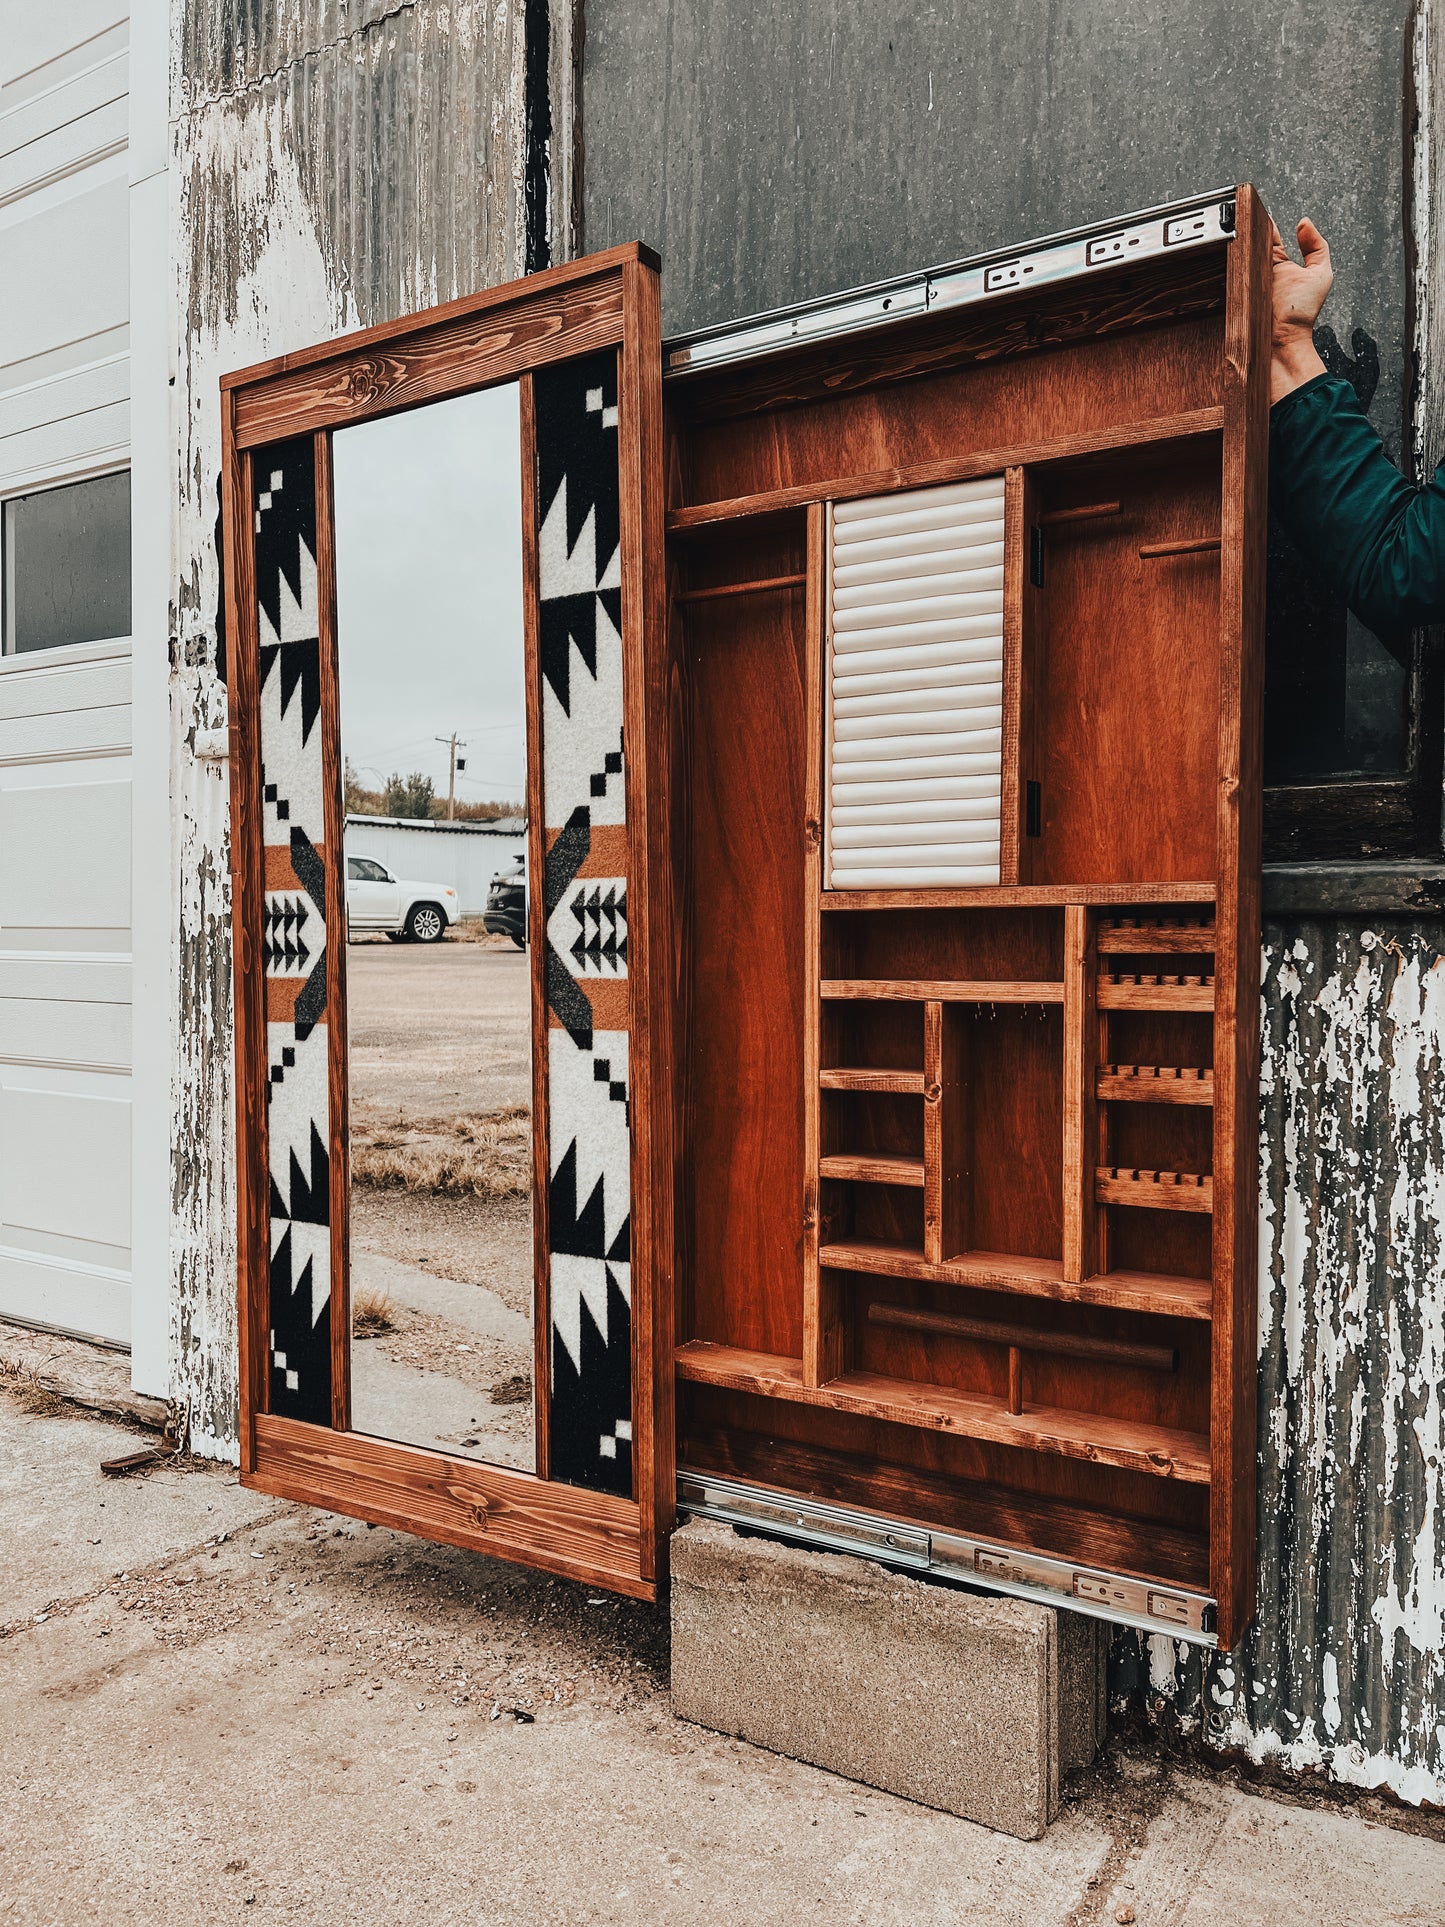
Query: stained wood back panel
(1126, 1521)
(1019, 945)
(1009, 1108)
(1176, 1398)
(743, 660)
(1128, 729)
(996, 404)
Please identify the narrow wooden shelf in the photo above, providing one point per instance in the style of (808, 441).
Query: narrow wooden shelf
(1156, 993)
(1141, 1291)
(956, 468)
(1129, 1444)
(972, 991)
(1153, 1084)
(905, 1083)
(1154, 1190)
(1144, 937)
(873, 1168)
(1018, 896)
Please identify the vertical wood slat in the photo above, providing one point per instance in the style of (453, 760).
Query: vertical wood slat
(1237, 915)
(536, 942)
(248, 902)
(1080, 1128)
(1015, 584)
(333, 804)
(823, 1335)
(649, 912)
(933, 1148)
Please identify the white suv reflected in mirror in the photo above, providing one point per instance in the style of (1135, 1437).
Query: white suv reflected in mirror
(376, 900)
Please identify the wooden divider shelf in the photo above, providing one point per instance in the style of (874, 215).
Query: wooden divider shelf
(1153, 1084)
(1156, 993)
(900, 1083)
(1131, 1445)
(873, 1168)
(976, 991)
(1154, 1293)
(1139, 937)
(1154, 1190)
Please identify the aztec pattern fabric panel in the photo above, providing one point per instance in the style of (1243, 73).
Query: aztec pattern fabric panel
(294, 935)
(585, 897)
(915, 714)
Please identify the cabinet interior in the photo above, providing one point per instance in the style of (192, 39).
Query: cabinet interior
(949, 1199)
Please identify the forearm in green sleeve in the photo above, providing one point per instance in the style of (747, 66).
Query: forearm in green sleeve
(1378, 540)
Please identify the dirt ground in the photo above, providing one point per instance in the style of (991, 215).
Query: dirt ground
(215, 1707)
(441, 1227)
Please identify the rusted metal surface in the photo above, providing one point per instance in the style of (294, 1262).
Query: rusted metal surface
(1344, 1668)
(334, 163)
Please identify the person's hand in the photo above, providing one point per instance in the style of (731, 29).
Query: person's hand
(1299, 290)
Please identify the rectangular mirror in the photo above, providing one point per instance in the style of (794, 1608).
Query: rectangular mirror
(431, 685)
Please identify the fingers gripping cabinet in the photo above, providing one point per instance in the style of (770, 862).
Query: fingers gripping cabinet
(962, 679)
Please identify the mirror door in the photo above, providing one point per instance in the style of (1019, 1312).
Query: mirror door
(454, 1139)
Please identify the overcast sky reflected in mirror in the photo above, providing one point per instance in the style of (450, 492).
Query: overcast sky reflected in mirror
(429, 595)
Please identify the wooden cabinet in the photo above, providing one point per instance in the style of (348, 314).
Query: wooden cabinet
(965, 630)
(941, 611)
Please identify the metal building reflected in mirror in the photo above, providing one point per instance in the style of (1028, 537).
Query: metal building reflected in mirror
(432, 686)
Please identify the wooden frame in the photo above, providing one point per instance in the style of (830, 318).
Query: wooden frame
(608, 302)
(1141, 407)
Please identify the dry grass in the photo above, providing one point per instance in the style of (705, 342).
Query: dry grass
(28, 1389)
(486, 1156)
(372, 1312)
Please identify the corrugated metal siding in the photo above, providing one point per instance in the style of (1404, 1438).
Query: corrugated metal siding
(1344, 1667)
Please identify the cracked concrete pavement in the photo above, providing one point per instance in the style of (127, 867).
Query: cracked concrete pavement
(216, 1707)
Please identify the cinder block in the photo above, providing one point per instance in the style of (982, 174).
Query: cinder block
(960, 1701)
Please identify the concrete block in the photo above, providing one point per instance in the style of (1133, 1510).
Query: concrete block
(964, 1702)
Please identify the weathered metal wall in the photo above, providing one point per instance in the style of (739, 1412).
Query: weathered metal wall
(1345, 1666)
(776, 153)
(334, 163)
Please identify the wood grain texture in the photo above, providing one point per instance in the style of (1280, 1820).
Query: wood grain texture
(1127, 1444)
(536, 942)
(972, 991)
(1191, 425)
(1027, 1338)
(248, 909)
(1153, 1084)
(1165, 993)
(1149, 1547)
(981, 896)
(590, 1537)
(1154, 937)
(933, 1146)
(1139, 1291)
(823, 1335)
(338, 1069)
(902, 1083)
(651, 1051)
(1154, 1190)
(876, 1167)
(1080, 1126)
(1016, 749)
(769, 585)
(1238, 810)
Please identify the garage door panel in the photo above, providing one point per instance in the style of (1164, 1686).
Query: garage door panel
(83, 732)
(63, 847)
(65, 1165)
(36, 1030)
(52, 691)
(91, 1300)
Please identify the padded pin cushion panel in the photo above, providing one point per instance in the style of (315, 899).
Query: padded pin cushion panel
(915, 710)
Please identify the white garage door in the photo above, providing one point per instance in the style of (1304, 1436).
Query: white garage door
(64, 670)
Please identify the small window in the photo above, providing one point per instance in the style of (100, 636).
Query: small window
(364, 869)
(65, 565)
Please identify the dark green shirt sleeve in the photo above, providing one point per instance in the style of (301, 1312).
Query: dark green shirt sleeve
(1375, 538)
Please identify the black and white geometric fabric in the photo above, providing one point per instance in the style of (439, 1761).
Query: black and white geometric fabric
(585, 900)
(293, 937)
